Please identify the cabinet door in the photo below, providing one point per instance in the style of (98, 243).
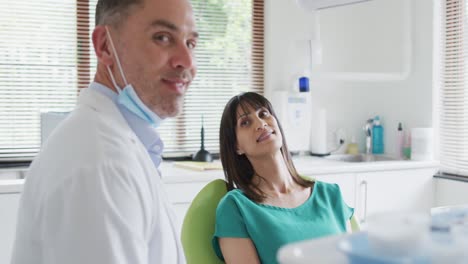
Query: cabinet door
(9, 207)
(401, 190)
(346, 181)
(182, 194)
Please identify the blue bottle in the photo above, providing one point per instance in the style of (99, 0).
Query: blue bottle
(377, 137)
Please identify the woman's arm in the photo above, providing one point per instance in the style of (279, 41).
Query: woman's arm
(238, 250)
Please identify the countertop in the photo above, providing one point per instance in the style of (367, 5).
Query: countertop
(306, 165)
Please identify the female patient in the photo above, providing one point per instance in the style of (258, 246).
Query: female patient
(272, 205)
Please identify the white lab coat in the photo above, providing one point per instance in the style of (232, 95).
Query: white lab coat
(93, 195)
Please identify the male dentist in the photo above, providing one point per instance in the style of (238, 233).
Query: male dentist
(94, 193)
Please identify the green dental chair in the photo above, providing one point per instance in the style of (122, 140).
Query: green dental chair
(199, 224)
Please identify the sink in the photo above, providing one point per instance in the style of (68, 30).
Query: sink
(359, 158)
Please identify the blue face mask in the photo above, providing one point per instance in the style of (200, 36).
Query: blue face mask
(128, 97)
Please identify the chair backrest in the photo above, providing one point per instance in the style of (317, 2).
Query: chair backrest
(199, 224)
(355, 227)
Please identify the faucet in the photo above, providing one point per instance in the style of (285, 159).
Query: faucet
(368, 131)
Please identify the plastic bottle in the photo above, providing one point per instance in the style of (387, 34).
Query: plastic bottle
(407, 146)
(352, 147)
(377, 137)
(400, 141)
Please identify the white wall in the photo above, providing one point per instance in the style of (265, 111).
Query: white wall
(350, 103)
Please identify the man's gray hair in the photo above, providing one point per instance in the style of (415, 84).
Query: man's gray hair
(113, 12)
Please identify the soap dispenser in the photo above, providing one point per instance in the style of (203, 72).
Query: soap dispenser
(352, 148)
(377, 137)
(400, 141)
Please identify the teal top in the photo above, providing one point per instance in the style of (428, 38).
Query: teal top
(270, 227)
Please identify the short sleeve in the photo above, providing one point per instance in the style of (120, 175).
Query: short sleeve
(341, 208)
(229, 222)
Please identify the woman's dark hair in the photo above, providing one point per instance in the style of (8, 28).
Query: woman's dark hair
(237, 168)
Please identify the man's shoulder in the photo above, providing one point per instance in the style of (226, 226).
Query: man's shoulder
(89, 137)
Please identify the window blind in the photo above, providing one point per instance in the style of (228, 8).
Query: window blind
(230, 60)
(38, 69)
(453, 94)
(46, 56)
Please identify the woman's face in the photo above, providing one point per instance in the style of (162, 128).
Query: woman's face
(257, 132)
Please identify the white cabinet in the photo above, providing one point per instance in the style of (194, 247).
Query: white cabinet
(182, 194)
(346, 181)
(8, 207)
(385, 191)
(398, 190)
(182, 185)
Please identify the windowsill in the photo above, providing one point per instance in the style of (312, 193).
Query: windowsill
(14, 164)
(453, 177)
(184, 156)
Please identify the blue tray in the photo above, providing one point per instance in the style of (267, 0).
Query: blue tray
(357, 249)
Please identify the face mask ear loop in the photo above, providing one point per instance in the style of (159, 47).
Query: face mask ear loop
(113, 80)
(116, 58)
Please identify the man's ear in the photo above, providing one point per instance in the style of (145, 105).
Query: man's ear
(101, 45)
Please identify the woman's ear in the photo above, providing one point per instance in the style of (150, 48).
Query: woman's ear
(101, 45)
(239, 152)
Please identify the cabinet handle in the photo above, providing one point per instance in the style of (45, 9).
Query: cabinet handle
(364, 214)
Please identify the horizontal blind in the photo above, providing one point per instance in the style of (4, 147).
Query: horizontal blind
(46, 55)
(454, 88)
(38, 69)
(229, 57)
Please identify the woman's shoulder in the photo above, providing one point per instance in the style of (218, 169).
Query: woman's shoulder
(234, 195)
(233, 200)
(326, 188)
(326, 185)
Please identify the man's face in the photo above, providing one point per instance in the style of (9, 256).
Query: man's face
(156, 49)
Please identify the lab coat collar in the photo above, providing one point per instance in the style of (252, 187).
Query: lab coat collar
(147, 134)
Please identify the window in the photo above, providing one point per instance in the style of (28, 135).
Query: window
(230, 60)
(38, 69)
(453, 91)
(46, 56)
